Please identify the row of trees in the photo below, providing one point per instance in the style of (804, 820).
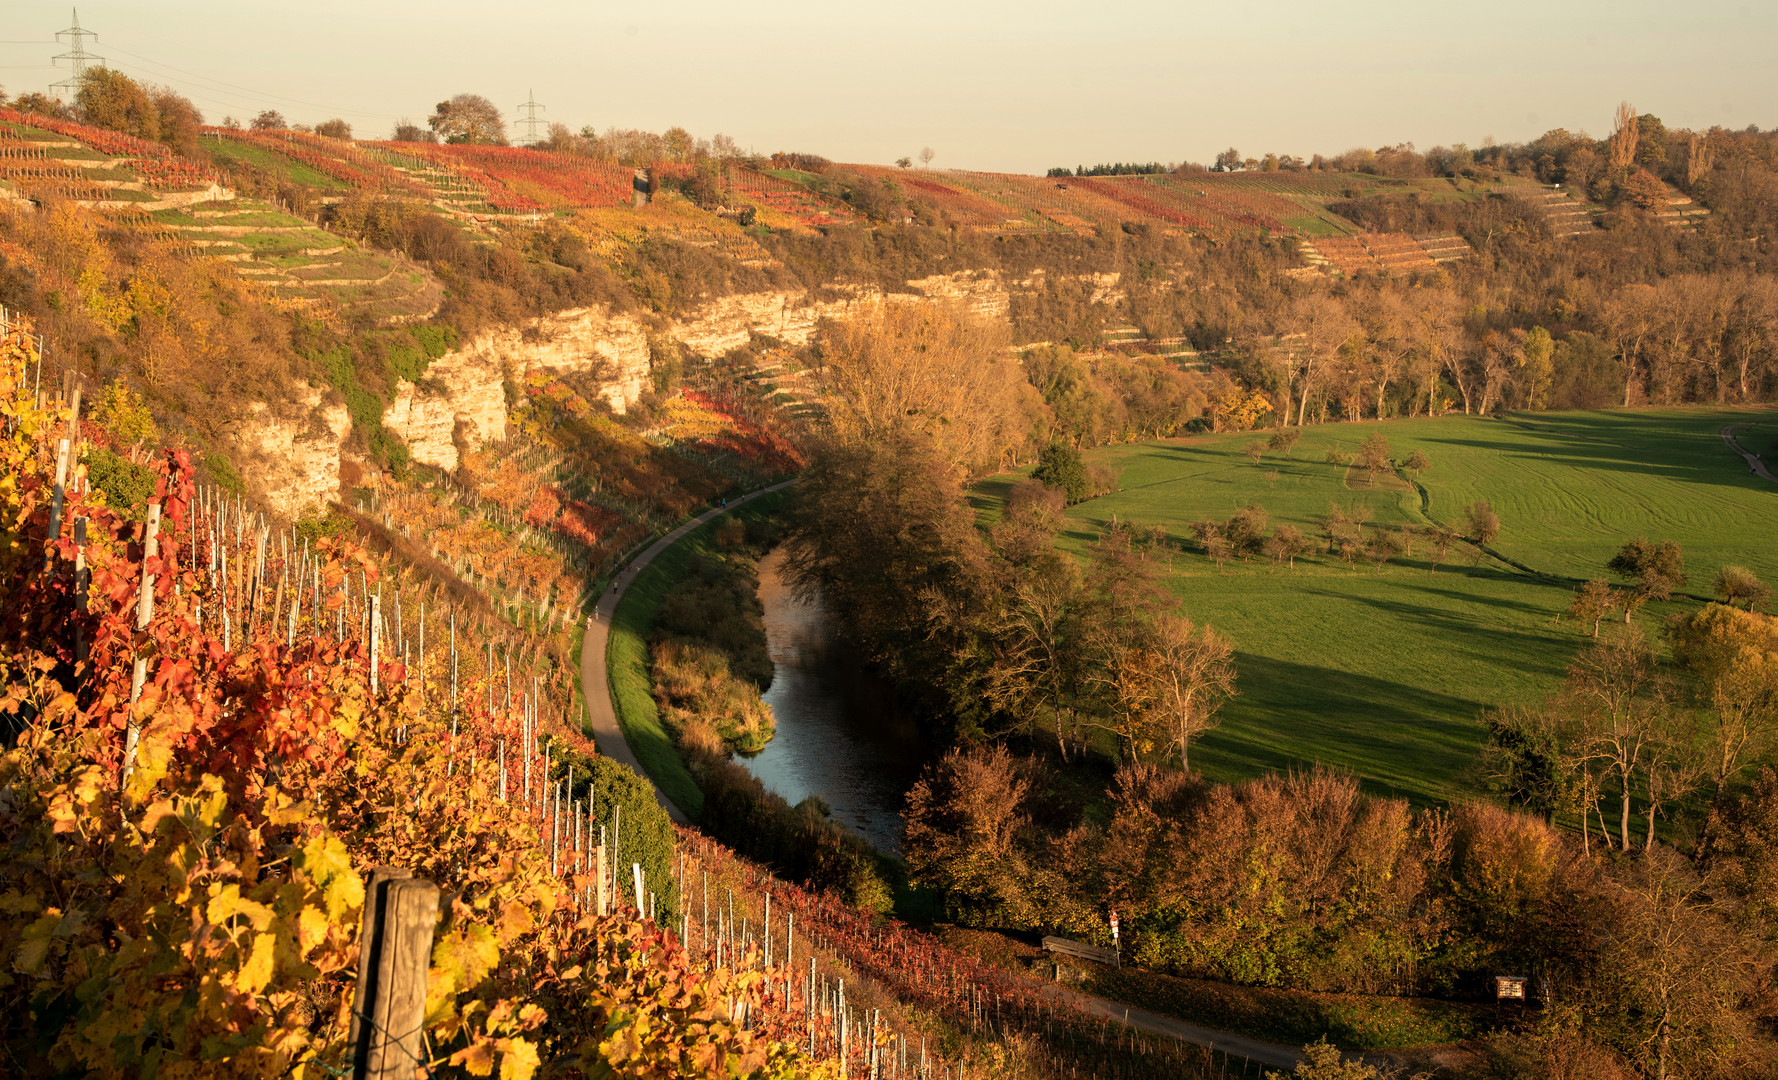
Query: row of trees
(1000, 631)
(1379, 351)
(109, 99)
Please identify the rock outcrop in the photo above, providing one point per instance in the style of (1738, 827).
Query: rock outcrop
(461, 401)
(296, 461)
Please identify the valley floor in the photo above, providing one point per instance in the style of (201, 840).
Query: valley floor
(1384, 671)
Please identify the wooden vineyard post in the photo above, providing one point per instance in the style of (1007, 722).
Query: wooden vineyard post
(394, 954)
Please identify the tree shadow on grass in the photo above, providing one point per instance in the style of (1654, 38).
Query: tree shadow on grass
(1451, 629)
(1400, 739)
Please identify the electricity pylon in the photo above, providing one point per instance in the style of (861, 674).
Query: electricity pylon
(77, 56)
(532, 121)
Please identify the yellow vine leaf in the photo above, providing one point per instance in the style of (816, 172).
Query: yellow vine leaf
(515, 922)
(329, 866)
(257, 971)
(311, 928)
(34, 949)
(519, 1061)
(227, 902)
(151, 767)
(477, 1058)
(460, 960)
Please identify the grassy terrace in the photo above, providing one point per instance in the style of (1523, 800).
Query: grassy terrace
(1384, 672)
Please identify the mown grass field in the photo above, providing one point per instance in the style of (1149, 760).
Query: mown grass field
(1384, 672)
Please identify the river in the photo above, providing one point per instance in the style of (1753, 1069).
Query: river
(839, 736)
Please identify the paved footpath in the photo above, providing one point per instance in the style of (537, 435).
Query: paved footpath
(1754, 461)
(595, 682)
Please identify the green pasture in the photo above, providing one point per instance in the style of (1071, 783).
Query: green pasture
(1383, 672)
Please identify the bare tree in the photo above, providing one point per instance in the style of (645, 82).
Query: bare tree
(1619, 704)
(939, 371)
(926, 156)
(1673, 946)
(1189, 672)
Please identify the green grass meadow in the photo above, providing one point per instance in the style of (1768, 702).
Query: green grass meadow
(1384, 672)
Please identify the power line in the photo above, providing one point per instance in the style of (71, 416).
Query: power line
(531, 120)
(258, 94)
(77, 56)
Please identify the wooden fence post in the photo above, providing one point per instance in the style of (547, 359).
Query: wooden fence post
(394, 955)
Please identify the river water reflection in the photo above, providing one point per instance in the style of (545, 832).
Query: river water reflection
(838, 736)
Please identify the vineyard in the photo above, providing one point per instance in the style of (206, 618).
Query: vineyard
(1394, 253)
(218, 724)
(785, 201)
(102, 166)
(339, 159)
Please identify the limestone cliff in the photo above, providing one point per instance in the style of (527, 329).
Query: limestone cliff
(461, 401)
(296, 462)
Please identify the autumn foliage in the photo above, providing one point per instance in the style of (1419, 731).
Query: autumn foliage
(193, 907)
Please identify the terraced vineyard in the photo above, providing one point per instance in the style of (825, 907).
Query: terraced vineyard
(42, 157)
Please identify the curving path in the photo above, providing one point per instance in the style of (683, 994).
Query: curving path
(595, 681)
(1754, 461)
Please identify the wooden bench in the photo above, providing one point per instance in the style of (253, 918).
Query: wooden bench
(1081, 950)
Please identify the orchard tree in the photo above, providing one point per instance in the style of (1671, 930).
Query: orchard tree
(1373, 457)
(1480, 523)
(1738, 585)
(1284, 440)
(1246, 530)
(1255, 450)
(1656, 568)
(269, 120)
(1417, 463)
(334, 129)
(1593, 602)
(1285, 544)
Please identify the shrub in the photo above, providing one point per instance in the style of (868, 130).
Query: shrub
(645, 832)
(1059, 467)
(127, 486)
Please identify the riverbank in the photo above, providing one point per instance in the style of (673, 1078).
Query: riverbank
(840, 737)
(614, 658)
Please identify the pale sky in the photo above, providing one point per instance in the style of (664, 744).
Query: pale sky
(1013, 86)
